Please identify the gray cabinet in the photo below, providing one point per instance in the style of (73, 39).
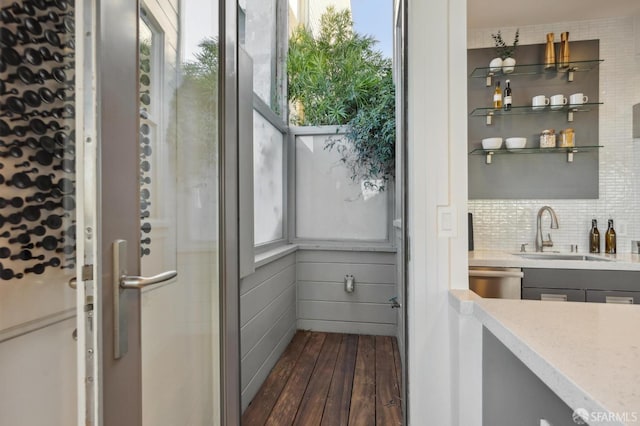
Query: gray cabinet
(512, 394)
(581, 285)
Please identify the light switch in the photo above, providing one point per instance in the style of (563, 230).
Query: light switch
(447, 222)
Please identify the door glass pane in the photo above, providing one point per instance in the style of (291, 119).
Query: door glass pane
(157, 76)
(37, 213)
(179, 204)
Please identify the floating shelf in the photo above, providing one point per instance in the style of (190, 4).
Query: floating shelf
(489, 153)
(532, 69)
(489, 113)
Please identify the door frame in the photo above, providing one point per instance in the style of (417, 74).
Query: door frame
(88, 348)
(401, 193)
(229, 275)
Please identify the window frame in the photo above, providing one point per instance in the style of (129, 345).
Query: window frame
(272, 118)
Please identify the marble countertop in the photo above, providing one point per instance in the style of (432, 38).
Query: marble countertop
(587, 353)
(613, 262)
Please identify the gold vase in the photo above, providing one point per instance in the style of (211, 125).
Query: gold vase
(550, 52)
(563, 60)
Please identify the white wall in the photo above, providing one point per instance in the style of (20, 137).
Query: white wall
(437, 176)
(505, 224)
(38, 376)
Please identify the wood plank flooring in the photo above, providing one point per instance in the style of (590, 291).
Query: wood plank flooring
(331, 379)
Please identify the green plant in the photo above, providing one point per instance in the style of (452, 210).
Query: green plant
(339, 78)
(503, 50)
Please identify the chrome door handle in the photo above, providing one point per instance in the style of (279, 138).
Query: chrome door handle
(134, 281)
(122, 282)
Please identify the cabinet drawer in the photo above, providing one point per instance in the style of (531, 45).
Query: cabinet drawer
(624, 297)
(558, 294)
(582, 279)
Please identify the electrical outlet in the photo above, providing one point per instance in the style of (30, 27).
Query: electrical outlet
(621, 227)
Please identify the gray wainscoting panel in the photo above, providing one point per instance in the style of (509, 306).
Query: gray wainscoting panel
(534, 176)
(267, 319)
(324, 305)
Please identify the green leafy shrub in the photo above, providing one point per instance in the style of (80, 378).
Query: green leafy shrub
(339, 78)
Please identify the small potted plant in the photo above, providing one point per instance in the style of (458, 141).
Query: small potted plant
(505, 53)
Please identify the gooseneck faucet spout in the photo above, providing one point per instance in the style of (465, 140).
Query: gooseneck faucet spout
(541, 243)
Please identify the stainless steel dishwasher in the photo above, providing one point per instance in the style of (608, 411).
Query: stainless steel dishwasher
(498, 283)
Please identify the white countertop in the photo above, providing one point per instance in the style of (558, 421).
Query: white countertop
(616, 262)
(587, 353)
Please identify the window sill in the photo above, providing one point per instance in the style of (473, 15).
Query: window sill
(347, 247)
(274, 254)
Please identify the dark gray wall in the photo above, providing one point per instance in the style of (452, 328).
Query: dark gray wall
(512, 394)
(542, 175)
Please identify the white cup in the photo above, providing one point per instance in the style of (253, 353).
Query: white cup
(578, 99)
(539, 102)
(558, 101)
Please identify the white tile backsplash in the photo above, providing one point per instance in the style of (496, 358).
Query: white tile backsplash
(505, 224)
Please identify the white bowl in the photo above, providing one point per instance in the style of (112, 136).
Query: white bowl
(491, 143)
(515, 143)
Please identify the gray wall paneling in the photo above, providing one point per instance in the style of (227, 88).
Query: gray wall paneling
(324, 305)
(534, 176)
(305, 290)
(267, 319)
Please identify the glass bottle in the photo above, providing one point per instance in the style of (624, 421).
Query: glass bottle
(550, 52)
(610, 239)
(497, 96)
(563, 59)
(507, 96)
(594, 237)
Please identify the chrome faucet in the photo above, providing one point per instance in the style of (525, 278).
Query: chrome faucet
(541, 243)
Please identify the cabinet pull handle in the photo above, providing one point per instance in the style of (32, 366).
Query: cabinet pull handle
(553, 297)
(619, 299)
(496, 274)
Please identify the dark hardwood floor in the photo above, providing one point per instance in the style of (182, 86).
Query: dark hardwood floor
(331, 380)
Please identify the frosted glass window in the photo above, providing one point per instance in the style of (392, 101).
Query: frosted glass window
(329, 205)
(261, 44)
(268, 180)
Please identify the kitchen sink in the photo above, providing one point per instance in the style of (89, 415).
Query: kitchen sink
(562, 256)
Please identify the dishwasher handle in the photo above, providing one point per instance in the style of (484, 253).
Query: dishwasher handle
(495, 274)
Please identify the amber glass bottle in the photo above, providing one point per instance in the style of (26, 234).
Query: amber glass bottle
(497, 96)
(594, 238)
(610, 239)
